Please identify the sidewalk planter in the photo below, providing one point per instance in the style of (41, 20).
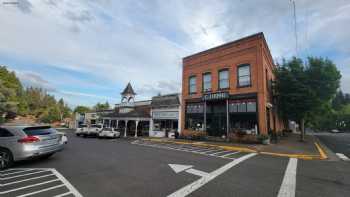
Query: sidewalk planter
(193, 135)
(264, 139)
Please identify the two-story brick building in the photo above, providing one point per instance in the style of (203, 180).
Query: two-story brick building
(228, 88)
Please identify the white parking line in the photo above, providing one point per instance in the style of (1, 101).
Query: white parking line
(12, 177)
(229, 154)
(342, 156)
(56, 181)
(43, 190)
(28, 186)
(287, 188)
(215, 154)
(17, 172)
(188, 189)
(33, 178)
(65, 194)
(68, 185)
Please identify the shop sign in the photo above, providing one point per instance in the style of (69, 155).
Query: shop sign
(215, 96)
(165, 115)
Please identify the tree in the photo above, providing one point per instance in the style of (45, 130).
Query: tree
(304, 88)
(101, 106)
(81, 109)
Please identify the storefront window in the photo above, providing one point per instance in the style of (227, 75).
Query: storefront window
(223, 79)
(192, 84)
(243, 75)
(242, 107)
(251, 107)
(194, 118)
(206, 82)
(233, 107)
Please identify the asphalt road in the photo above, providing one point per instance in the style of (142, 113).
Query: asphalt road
(98, 167)
(338, 143)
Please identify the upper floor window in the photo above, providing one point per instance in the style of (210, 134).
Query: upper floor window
(192, 84)
(223, 79)
(243, 77)
(206, 82)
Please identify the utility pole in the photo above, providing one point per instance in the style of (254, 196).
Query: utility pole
(295, 28)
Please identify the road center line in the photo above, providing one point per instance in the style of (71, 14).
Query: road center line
(188, 189)
(287, 188)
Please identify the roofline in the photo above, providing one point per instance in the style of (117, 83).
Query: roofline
(227, 44)
(172, 94)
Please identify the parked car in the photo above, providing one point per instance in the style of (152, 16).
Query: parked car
(335, 131)
(79, 131)
(109, 133)
(64, 138)
(26, 142)
(92, 130)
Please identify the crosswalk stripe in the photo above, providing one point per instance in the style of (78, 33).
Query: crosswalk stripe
(288, 186)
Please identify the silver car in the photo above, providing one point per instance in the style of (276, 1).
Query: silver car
(25, 142)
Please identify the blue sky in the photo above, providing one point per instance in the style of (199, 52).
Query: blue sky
(86, 51)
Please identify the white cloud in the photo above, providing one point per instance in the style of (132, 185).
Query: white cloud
(144, 41)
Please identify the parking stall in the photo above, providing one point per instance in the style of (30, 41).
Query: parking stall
(37, 182)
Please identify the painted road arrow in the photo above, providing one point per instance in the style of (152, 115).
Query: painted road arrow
(188, 168)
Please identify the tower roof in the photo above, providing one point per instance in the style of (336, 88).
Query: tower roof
(128, 90)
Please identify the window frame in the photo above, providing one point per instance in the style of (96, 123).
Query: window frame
(211, 79)
(228, 78)
(250, 75)
(189, 84)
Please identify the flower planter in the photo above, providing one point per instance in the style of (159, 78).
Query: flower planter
(266, 141)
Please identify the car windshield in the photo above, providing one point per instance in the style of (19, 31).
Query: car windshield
(38, 130)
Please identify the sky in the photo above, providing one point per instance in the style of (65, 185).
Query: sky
(86, 51)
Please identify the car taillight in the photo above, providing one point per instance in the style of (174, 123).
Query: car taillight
(29, 139)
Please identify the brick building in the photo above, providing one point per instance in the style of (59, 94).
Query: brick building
(228, 88)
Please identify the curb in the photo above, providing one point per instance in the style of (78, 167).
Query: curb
(322, 155)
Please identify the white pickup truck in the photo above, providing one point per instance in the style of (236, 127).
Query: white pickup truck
(92, 130)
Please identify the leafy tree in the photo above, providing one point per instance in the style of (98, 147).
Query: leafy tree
(305, 88)
(81, 109)
(101, 106)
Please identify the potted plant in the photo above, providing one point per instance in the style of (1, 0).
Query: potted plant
(264, 139)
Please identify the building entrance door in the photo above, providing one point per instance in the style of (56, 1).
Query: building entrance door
(216, 118)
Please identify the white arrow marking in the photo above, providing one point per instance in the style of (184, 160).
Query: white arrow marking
(179, 168)
(188, 189)
(197, 172)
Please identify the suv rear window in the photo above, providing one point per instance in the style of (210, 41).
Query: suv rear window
(5, 133)
(38, 130)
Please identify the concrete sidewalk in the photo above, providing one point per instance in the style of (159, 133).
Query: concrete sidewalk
(290, 146)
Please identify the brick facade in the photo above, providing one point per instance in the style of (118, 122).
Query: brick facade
(251, 50)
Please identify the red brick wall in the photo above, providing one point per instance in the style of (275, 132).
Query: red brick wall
(250, 50)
